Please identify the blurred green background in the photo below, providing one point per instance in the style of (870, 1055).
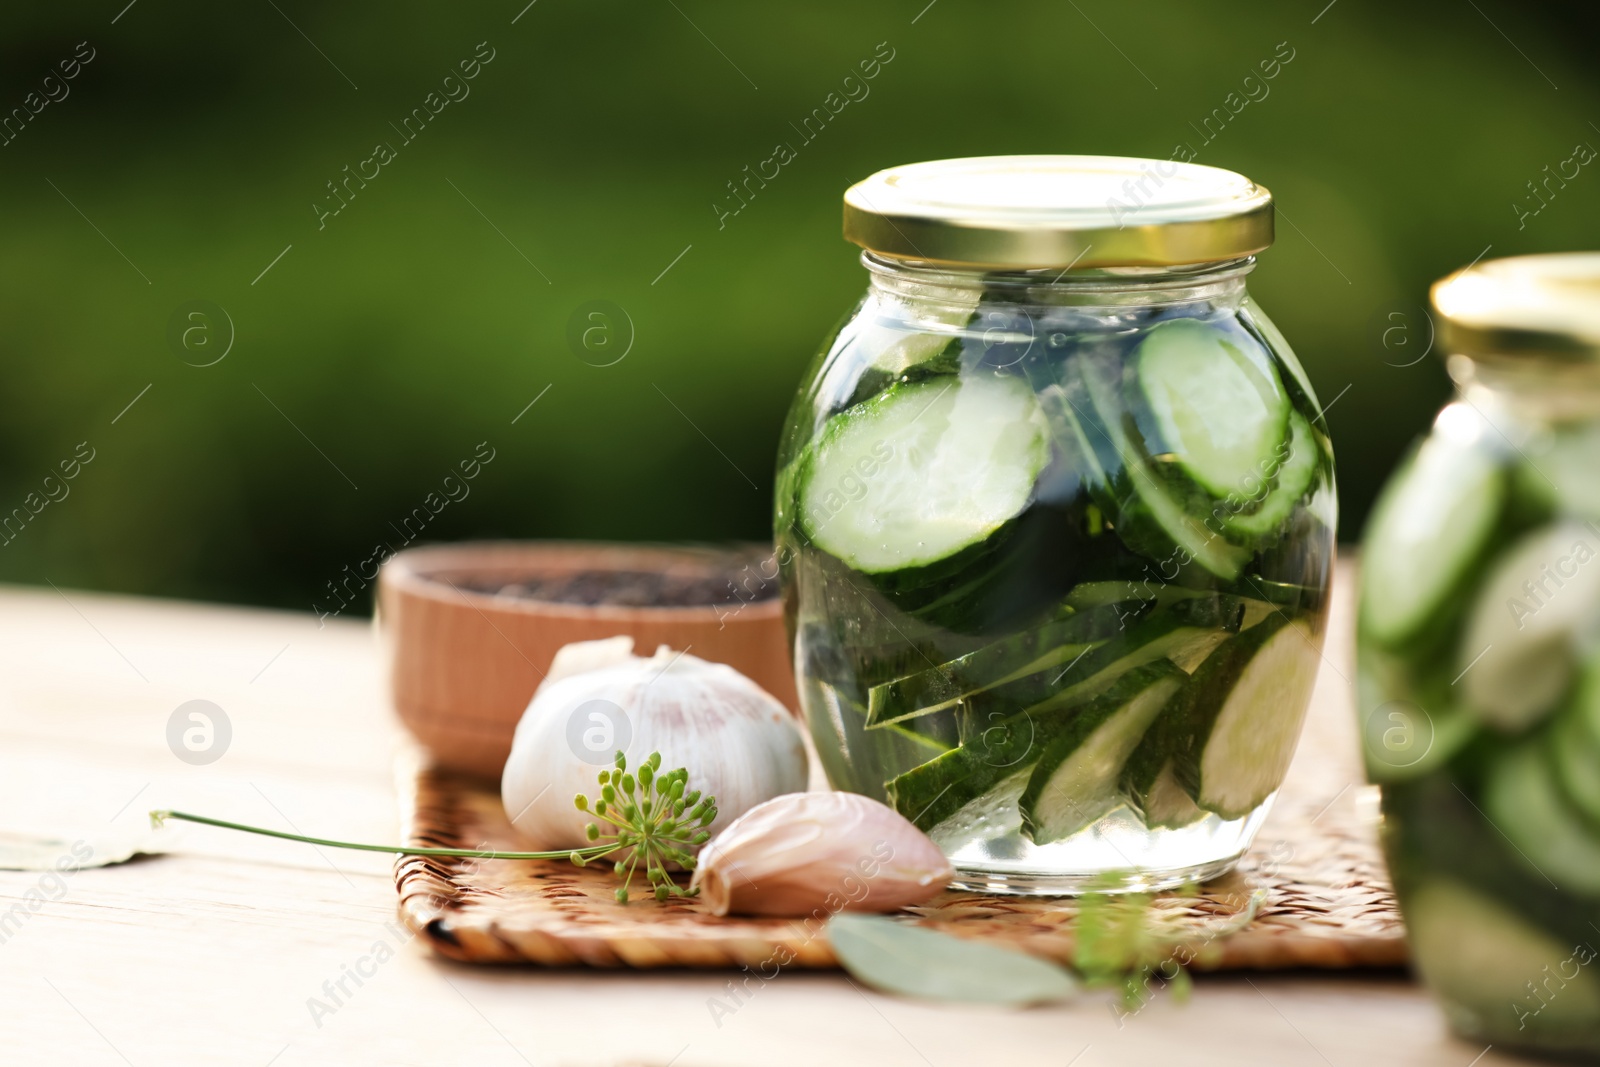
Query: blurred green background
(379, 350)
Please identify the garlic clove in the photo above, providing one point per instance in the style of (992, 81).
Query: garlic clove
(817, 854)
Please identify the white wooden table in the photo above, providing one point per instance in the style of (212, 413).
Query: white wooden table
(224, 951)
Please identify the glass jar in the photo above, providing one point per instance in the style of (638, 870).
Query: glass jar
(1479, 660)
(1054, 518)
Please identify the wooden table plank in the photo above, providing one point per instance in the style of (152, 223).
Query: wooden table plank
(230, 949)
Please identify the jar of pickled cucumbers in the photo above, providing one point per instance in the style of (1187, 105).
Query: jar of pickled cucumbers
(1054, 517)
(1479, 657)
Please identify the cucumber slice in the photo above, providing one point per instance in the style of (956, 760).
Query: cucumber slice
(1522, 801)
(1148, 515)
(1162, 803)
(979, 817)
(1074, 784)
(937, 790)
(1218, 405)
(1518, 653)
(1243, 716)
(1294, 472)
(1569, 462)
(855, 758)
(1053, 645)
(1098, 594)
(1256, 322)
(911, 358)
(1576, 756)
(1184, 633)
(1587, 703)
(1150, 781)
(991, 765)
(1089, 595)
(1012, 580)
(1395, 749)
(1488, 964)
(923, 471)
(1411, 719)
(1428, 531)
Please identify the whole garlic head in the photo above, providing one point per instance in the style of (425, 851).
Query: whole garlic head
(738, 743)
(809, 853)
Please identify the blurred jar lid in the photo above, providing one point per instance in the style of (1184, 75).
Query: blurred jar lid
(1032, 212)
(1546, 307)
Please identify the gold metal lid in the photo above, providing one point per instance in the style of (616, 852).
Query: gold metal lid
(1030, 212)
(1545, 307)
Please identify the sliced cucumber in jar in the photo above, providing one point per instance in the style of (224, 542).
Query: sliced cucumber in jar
(1218, 406)
(1184, 633)
(1150, 782)
(1568, 461)
(1098, 594)
(1147, 513)
(923, 471)
(1075, 782)
(991, 766)
(1576, 756)
(1428, 532)
(1243, 716)
(1539, 603)
(1055, 644)
(1402, 741)
(937, 790)
(1587, 698)
(1482, 958)
(1153, 790)
(912, 358)
(1293, 472)
(1523, 802)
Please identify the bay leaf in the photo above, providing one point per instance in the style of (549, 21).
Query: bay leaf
(28, 852)
(913, 961)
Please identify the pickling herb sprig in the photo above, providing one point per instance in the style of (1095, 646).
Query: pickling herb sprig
(1124, 943)
(657, 830)
(656, 822)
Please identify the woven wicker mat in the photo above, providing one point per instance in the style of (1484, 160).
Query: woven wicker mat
(1327, 903)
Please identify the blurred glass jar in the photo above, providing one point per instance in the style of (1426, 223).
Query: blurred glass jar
(1055, 512)
(1479, 650)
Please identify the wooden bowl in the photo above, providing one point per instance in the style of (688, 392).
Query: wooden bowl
(463, 663)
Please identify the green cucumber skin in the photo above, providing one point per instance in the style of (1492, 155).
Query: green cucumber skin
(1015, 578)
(1251, 515)
(1020, 714)
(931, 793)
(1198, 338)
(1283, 489)
(1198, 617)
(937, 687)
(874, 381)
(859, 760)
(1077, 729)
(1575, 756)
(1524, 801)
(1436, 632)
(1207, 696)
(1432, 833)
(1431, 826)
(1137, 490)
(1153, 758)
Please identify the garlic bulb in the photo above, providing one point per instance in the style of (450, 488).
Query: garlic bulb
(738, 743)
(806, 853)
